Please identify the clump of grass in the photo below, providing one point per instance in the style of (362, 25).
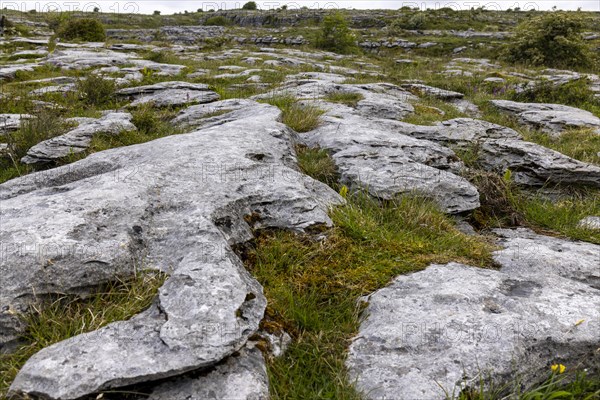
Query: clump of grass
(300, 117)
(312, 287)
(505, 204)
(61, 317)
(317, 164)
(163, 57)
(347, 98)
(573, 385)
(43, 126)
(96, 90)
(576, 93)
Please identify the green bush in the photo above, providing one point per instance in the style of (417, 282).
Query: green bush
(96, 90)
(575, 93)
(85, 29)
(217, 20)
(335, 35)
(251, 5)
(552, 39)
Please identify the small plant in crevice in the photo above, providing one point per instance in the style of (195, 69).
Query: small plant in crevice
(317, 164)
(96, 90)
(298, 116)
(43, 126)
(347, 98)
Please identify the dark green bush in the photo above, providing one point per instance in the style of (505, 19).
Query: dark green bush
(217, 20)
(251, 5)
(335, 35)
(85, 29)
(552, 39)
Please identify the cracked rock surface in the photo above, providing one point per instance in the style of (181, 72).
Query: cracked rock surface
(102, 216)
(449, 326)
(79, 139)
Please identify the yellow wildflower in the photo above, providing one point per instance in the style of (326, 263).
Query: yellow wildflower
(558, 368)
(344, 191)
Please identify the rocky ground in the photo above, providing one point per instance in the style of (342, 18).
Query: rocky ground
(401, 223)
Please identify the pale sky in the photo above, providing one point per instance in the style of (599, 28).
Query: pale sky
(170, 7)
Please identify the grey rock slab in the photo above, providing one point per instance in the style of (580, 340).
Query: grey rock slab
(527, 253)
(176, 204)
(372, 154)
(535, 165)
(590, 222)
(10, 71)
(204, 114)
(174, 93)
(501, 149)
(551, 118)
(81, 58)
(11, 122)
(432, 91)
(78, 139)
(242, 376)
(444, 329)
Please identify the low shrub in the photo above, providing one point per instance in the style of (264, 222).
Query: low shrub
(217, 20)
(84, 29)
(551, 39)
(335, 35)
(96, 90)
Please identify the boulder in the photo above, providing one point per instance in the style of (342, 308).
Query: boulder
(550, 118)
(434, 333)
(176, 204)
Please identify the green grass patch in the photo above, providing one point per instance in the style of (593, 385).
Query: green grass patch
(349, 99)
(430, 110)
(317, 164)
(299, 117)
(61, 317)
(312, 286)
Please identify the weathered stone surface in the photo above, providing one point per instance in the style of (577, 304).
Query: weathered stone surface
(590, 222)
(527, 253)
(200, 115)
(432, 91)
(9, 71)
(452, 325)
(535, 165)
(372, 154)
(174, 93)
(501, 148)
(176, 204)
(242, 376)
(86, 58)
(171, 34)
(551, 118)
(11, 122)
(78, 139)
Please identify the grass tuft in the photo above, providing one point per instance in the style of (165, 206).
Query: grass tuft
(312, 286)
(299, 117)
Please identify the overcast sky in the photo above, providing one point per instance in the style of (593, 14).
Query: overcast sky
(170, 7)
